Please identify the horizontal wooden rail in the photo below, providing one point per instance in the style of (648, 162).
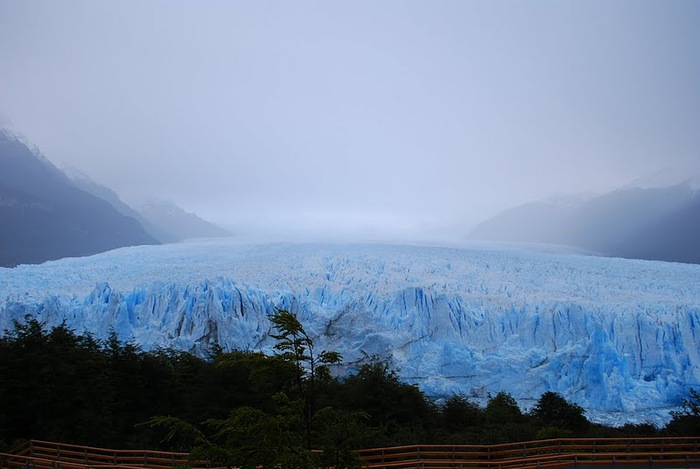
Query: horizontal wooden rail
(563, 452)
(541, 454)
(49, 455)
(22, 461)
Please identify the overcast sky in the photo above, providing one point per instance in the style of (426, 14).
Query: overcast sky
(385, 116)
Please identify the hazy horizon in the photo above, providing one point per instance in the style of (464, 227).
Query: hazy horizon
(387, 120)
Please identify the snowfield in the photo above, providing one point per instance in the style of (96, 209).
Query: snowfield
(619, 337)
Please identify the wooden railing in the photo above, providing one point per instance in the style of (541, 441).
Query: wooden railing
(541, 454)
(37, 454)
(556, 453)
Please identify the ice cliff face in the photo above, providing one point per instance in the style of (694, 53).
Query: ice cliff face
(619, 337)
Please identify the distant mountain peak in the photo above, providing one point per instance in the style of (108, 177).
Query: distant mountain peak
(76, 174)
(668, 177)
(569, 200)
(176, 223)
(166, 205)
(46, 216)
(162, 219)
(16, 147)
(643, 220)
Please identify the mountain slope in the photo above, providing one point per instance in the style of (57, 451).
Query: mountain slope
(164, 221)
(44, 216)
(619, 337)
(674, 236)
(535, 222)
(174, 224)
(105, 193)
(659, 223)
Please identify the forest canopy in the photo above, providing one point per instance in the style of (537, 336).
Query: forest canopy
(70, 387)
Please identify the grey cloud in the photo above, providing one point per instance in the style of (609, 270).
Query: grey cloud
(391, 116)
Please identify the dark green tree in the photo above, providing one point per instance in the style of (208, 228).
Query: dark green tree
(503, 409)
(340, 432)
(686, 422)
(251, 379)
(459, 413)
(558, 417)
(402, 412)
(296, 347)
(504, 421)
(249, 438)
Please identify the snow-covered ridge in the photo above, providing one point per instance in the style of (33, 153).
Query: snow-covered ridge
(619, 337)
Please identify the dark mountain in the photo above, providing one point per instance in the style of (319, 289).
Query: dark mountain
(44, 216)
(105, 193)
(617, 222)
(165, 221)
(175, 224)
(84, 182)
(535, 222)
(673, 236)
(661, 223)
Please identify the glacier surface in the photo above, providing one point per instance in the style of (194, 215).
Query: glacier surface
(619, 337)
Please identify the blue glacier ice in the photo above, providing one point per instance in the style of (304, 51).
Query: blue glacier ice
(619, 337)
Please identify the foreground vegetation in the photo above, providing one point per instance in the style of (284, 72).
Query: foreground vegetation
(248, 408)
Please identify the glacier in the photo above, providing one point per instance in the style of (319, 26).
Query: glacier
(619, 337)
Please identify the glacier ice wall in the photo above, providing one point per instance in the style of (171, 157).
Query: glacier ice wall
(619, 337)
